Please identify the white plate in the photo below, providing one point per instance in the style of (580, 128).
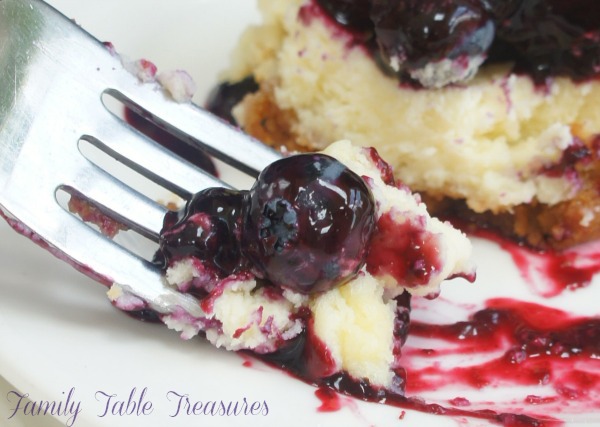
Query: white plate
(59, 333)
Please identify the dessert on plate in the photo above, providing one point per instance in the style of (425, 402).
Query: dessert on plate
(313, 268)
(489, 109)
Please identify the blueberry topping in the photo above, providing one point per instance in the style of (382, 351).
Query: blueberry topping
(543, 38)
(414, 33)
(308, 223)
(207, 228)
(305, 225)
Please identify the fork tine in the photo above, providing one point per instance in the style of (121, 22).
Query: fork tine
(149, 159)
(199, 127)
(124, 204)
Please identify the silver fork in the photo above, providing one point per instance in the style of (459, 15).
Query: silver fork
(53, 76)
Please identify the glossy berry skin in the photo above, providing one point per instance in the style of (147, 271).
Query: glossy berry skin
(353, 14)
(208, 228)
(413, 33)
(308, 222)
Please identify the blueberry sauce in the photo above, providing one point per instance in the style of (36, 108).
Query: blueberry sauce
(386, 171)
(407, 252)
(308, 359)
(542, 346)
(331, 401)
(208, 228)
(532, 345)
(523, 345)
(543, 38)
(576, 154)
(550, 273)
(418, 32)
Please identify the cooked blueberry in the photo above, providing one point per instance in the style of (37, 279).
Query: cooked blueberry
(207, 228)
(437, 42)
(414, 33)
(308, 223)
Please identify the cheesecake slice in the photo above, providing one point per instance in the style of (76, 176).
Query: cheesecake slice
(493, 118)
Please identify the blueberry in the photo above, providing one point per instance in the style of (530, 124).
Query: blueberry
(207, 228)
(308, 222)
(414, 33)
(437, 42)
